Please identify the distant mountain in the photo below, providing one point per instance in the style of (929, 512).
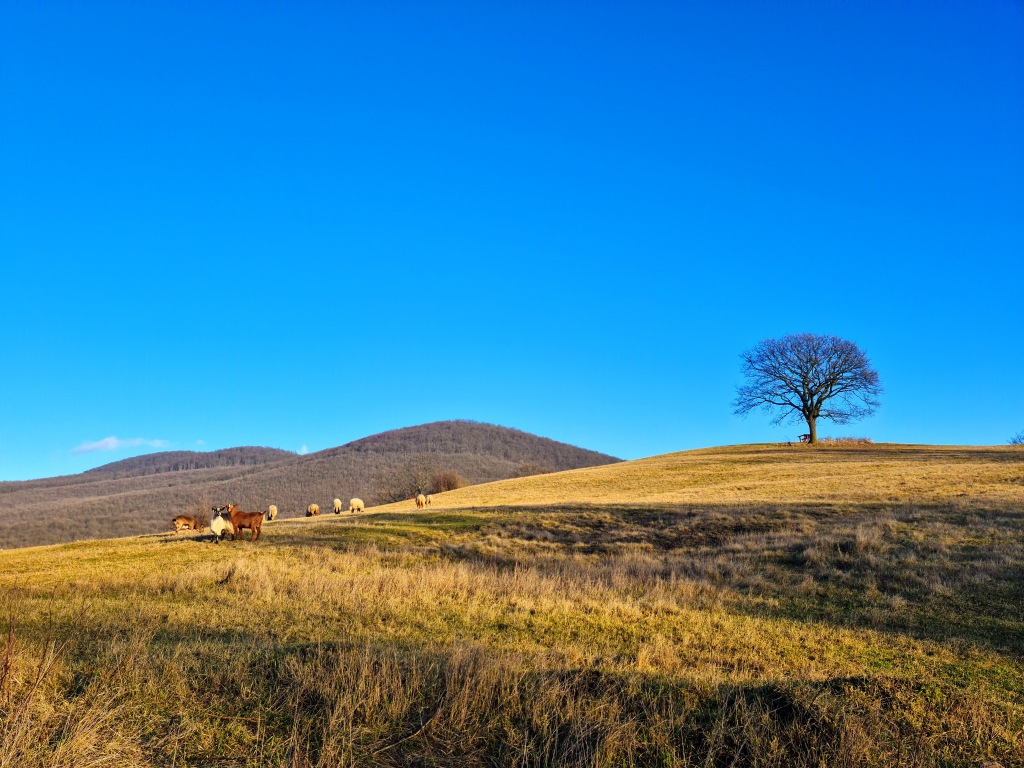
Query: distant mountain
(182, 461)
(142, 494)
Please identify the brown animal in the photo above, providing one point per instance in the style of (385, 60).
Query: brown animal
(241, 520)
(312, 510)
(421, 501)
(186, 523)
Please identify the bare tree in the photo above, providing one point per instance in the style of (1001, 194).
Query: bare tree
(809, 377)
(1017, 439)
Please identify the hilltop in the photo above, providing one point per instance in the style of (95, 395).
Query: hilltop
(750, 605)
(142, 494)
(183, 461)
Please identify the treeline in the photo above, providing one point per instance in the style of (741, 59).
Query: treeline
(388, 467)
(183, 461)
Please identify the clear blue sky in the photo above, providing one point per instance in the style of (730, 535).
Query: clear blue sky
(297, 224)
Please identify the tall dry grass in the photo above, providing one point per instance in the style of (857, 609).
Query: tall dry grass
(784, 632)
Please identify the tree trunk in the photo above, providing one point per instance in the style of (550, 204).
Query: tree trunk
(812, 429)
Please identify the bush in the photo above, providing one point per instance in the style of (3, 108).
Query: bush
(448, 480)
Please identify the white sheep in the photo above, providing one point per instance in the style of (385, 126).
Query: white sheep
(356, 505)
(312, 510)
(421, 501)
(272, 512)
(337, 506)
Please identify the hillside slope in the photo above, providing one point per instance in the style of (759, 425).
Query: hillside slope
(750, 605)
(142, 494)
(883, 475)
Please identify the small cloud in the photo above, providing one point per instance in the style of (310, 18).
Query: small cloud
(200, 442)
(114, 443)
(303, 450)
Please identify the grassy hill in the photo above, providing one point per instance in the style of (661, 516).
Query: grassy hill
(742, 606)
(142, 494)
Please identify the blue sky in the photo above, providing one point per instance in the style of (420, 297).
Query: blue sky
(297, 224)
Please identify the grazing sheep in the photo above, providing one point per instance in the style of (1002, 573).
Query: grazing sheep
(241, 520)
(312, 510)
(221, 527)
(428, 499)
(337, 506)
(188, 523)
(421, 501)
(356, 505)
(272, 512)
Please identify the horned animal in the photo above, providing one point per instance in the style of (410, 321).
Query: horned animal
(221, 527)
(241, 520)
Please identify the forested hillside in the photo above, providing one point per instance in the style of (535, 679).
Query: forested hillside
(142, 494)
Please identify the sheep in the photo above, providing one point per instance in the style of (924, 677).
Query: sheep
(355, 505)
(337, 506)
(428, 499)
(241, 520)
(312, 510)
(221, 527)
(272, 512)
(188, 523)
(421, 501)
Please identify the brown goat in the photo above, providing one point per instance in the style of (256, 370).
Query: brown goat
(182, 522)
(239, 520)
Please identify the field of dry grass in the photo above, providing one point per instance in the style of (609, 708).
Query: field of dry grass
(743, 606)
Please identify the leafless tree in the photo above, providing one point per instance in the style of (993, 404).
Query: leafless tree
(808, 377)
(1017, 439)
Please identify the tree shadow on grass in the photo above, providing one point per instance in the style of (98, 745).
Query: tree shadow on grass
(936, 572)
(384, 702)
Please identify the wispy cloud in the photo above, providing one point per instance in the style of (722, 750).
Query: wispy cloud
(114, 443)
(303, 450)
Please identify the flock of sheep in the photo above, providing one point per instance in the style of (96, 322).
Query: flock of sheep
(229, 520)
(355, 505)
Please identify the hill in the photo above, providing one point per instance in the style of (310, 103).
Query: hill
(183, 461)
(142, 494)
(742, 606)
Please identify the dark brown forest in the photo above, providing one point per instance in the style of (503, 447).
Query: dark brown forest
(142, 494)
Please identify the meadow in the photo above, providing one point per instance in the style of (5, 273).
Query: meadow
(773, 605)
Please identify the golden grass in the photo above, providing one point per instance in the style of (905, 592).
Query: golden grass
(751, 474)
(756, 605)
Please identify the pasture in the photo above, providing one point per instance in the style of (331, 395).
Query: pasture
(742, 606)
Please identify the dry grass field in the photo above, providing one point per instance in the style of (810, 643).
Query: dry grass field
(746, 606)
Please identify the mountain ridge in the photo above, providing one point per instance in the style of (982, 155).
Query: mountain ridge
(143, 493)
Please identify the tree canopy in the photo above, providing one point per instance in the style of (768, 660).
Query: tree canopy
(804, 376)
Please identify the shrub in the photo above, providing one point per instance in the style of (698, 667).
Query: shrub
(447, 480)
